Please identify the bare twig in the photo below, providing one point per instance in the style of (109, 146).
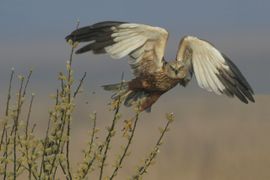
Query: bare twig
(93, 134)
(110, 133)
(148, 161)
(69, 83)
(126, 147)
(27, 82)
(6, 155)
(63, 123)
(46, 139)
(26, 137)
(63, 169)
(7, 106)
(16, 119)
(28, 115)
(79, 86)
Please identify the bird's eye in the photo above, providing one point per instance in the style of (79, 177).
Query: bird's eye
(172, 68)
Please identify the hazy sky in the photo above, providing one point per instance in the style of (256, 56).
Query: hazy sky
(32, 34)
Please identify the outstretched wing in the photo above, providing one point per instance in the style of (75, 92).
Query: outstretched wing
(143, 43)
(213, 70)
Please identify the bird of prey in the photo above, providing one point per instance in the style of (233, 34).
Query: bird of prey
(145, 45)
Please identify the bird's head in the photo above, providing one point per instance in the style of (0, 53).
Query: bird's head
(175, 69)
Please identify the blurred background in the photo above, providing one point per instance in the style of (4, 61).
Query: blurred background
(213, 137)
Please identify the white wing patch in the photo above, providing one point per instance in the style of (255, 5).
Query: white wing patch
(137, 39)
(206, 61)
(125, 46)
(214, 71)
(143, 43)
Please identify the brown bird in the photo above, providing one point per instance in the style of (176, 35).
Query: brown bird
(145, 45)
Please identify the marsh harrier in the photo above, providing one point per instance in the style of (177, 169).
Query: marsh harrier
(145, 46)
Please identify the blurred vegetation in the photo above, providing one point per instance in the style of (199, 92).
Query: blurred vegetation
(24, 154)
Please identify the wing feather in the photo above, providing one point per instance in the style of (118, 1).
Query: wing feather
(201, 75)
(213, 70)
(215, 83)
(143, 43)
(124, 47)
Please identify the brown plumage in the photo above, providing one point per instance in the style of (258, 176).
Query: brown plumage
(145, 45)
(155, 85)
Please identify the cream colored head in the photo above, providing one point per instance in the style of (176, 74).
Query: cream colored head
(175, 69)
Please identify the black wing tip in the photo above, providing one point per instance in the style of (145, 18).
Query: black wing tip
(240, 86)
(240, 96)
(244, 94)
(78, 52)
(251, 99)
(67, 38)
(82, 50)
(245, 97)
(237, 73)
(98, 34)
(106, 24)
(247, 93)
(75, 35)
(245, 101)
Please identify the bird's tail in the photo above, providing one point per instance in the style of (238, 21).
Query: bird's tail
(120, 90)
(133, 97)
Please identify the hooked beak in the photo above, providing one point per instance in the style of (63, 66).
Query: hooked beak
(176, 71)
